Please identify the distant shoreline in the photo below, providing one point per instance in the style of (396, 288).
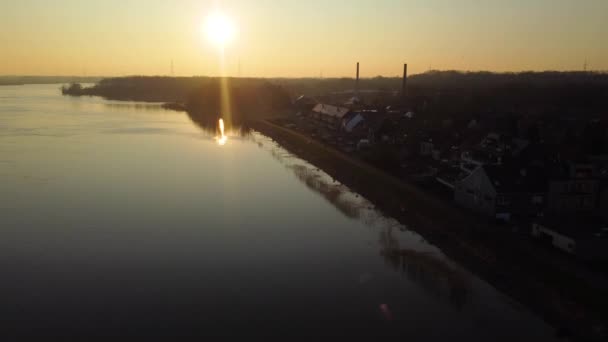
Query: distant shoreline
(38, 80)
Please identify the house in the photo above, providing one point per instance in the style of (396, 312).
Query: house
(353, 102)
(440, 145)
(488, 152)
(584, 237)
(427, 147)
(349, 124)
(372, 125)
(304, 103)
(449, 176)
(573, 188)
(360, 123)
(305, 100)
(600, 163)
(330, 115)
(502, 192)
(478, 193)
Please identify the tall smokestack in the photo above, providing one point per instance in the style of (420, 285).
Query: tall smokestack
(357, 82)
(404, 85)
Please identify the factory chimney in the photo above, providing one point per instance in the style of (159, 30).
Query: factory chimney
(404, 84)
(357, 82)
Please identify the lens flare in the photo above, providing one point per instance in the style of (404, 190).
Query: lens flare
(222, 139)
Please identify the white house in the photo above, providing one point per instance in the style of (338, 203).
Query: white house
(329, 114)
(502, 192)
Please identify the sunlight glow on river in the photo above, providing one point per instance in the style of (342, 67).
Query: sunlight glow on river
(222, 139)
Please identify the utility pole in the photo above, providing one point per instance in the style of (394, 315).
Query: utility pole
(357, 82)
(585, 65)
(404, 82)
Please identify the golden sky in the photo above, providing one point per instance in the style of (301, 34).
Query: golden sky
(293, 38)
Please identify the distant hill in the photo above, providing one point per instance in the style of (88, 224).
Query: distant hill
(23, 80)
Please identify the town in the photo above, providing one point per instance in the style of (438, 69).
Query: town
(530, 165)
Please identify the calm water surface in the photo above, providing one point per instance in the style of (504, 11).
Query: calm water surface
(123, 219)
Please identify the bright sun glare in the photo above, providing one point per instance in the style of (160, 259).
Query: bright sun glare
(219, 29)
(222, 139)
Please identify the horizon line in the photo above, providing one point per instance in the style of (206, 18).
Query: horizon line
(315, 77)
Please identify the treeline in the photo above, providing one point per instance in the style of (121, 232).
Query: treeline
(141, 88)
(243, 99)
(205, 98)
(536, 93)
(448, 93)
(450, 79)
(441, 94)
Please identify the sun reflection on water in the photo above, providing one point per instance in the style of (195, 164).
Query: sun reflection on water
(222, 139)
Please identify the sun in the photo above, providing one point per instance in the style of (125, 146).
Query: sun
(219, 29)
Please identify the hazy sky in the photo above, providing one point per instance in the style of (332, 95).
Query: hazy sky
(301, 37)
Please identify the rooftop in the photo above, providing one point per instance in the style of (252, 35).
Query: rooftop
(333, 111)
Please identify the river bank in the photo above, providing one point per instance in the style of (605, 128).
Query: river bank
(502, 258)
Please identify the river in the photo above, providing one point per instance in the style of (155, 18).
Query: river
(125, 219)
